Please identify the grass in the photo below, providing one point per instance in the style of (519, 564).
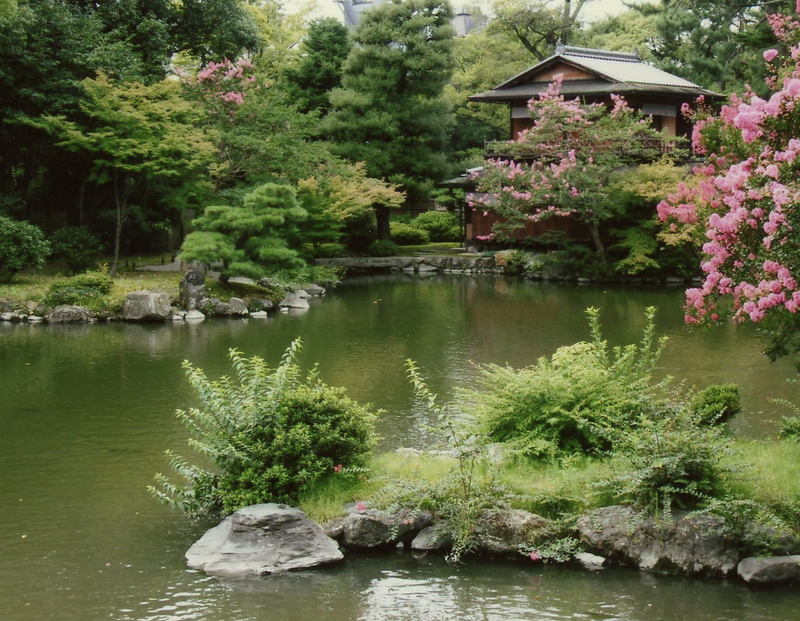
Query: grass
(432, 248)
(34, 287)
(769, 471)
(549, 489)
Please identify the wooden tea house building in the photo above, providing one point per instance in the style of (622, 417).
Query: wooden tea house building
(592, 76)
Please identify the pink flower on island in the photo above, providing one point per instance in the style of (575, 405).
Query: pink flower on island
(338, 468)
(361, 506)
(535, 556)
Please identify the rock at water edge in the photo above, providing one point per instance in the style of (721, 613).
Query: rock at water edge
(260, 540)
(146, 306)
(68, 314)
(769, 570)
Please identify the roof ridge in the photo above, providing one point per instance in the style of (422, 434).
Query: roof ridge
(572, 50)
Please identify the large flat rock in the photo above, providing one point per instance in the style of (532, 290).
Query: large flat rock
(260, 540)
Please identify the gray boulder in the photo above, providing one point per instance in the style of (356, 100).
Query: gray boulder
(372, 528)
(193, 286)
(221, 309)
(293, 300)
(434, 538)
(688, 544)
(146, 306)
(242, 280)
(238, 307)
(590, 561)
(260, 540)
(769, 570)
(503, 533)
(315, 291)
(194, 316)
(68, 314)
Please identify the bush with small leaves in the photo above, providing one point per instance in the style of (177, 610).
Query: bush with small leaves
(22, 246)
(84, 289)
(406, 235)
(382, 248)
(270, 435)
(441, 226)
(717, 404)
(77, 247)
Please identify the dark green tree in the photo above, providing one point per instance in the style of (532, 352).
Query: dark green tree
(389, 112)
(319, 69)
(215, 29)
(715, 43)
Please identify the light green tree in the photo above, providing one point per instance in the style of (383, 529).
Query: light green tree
(136, 135)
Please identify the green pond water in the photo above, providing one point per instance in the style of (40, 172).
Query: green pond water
(87, 411)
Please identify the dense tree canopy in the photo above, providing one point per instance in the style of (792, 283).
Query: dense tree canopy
(389, 112)
(716, 43)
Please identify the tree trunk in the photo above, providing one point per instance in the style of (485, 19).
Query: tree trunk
(81, 201)
(382, 221)
(594, 231)
(120, 203)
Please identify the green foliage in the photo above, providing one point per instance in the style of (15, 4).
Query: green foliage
(22, 246)
(440, 225)
(319, 69)
(715, 43)
(253, 238)
(669, 460)
(568, 403)
(76, 246)
(87, 289)
(465, 492)
(382, 248)
(790, 428)
(270, 435)
(406, 234)
(402, 47)
(716, 404)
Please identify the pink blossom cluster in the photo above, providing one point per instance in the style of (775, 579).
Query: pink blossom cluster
(226, 81)
(748, 199)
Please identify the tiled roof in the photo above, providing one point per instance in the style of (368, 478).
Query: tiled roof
(614, 71)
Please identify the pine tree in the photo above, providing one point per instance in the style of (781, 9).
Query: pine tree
(389, 113)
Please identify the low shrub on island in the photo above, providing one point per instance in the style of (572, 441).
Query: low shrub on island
(269, 433)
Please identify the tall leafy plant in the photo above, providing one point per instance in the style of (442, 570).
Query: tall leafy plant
(266, 435)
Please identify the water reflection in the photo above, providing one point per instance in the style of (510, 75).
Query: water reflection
(87, 412)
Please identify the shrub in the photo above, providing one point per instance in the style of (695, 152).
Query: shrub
(569, 402)
(330, 251)
(790, 428)
(671, 460)
(407, 235)
(440, 225)
(22, 246)
(76, 246)
(270, 435)
(382, 248)
(84, 289)
(717, 404)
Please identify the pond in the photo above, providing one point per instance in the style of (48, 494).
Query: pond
(87, 412)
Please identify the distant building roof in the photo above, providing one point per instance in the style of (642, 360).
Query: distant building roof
(614, 72)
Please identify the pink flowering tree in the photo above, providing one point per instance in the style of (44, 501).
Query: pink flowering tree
(223, 85)
(562, 166)
(744, 203)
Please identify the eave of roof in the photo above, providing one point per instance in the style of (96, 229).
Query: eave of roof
(577, 88)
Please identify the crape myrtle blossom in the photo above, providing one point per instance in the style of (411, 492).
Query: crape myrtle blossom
(223, 85)
(561, 166)
(747, 196)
